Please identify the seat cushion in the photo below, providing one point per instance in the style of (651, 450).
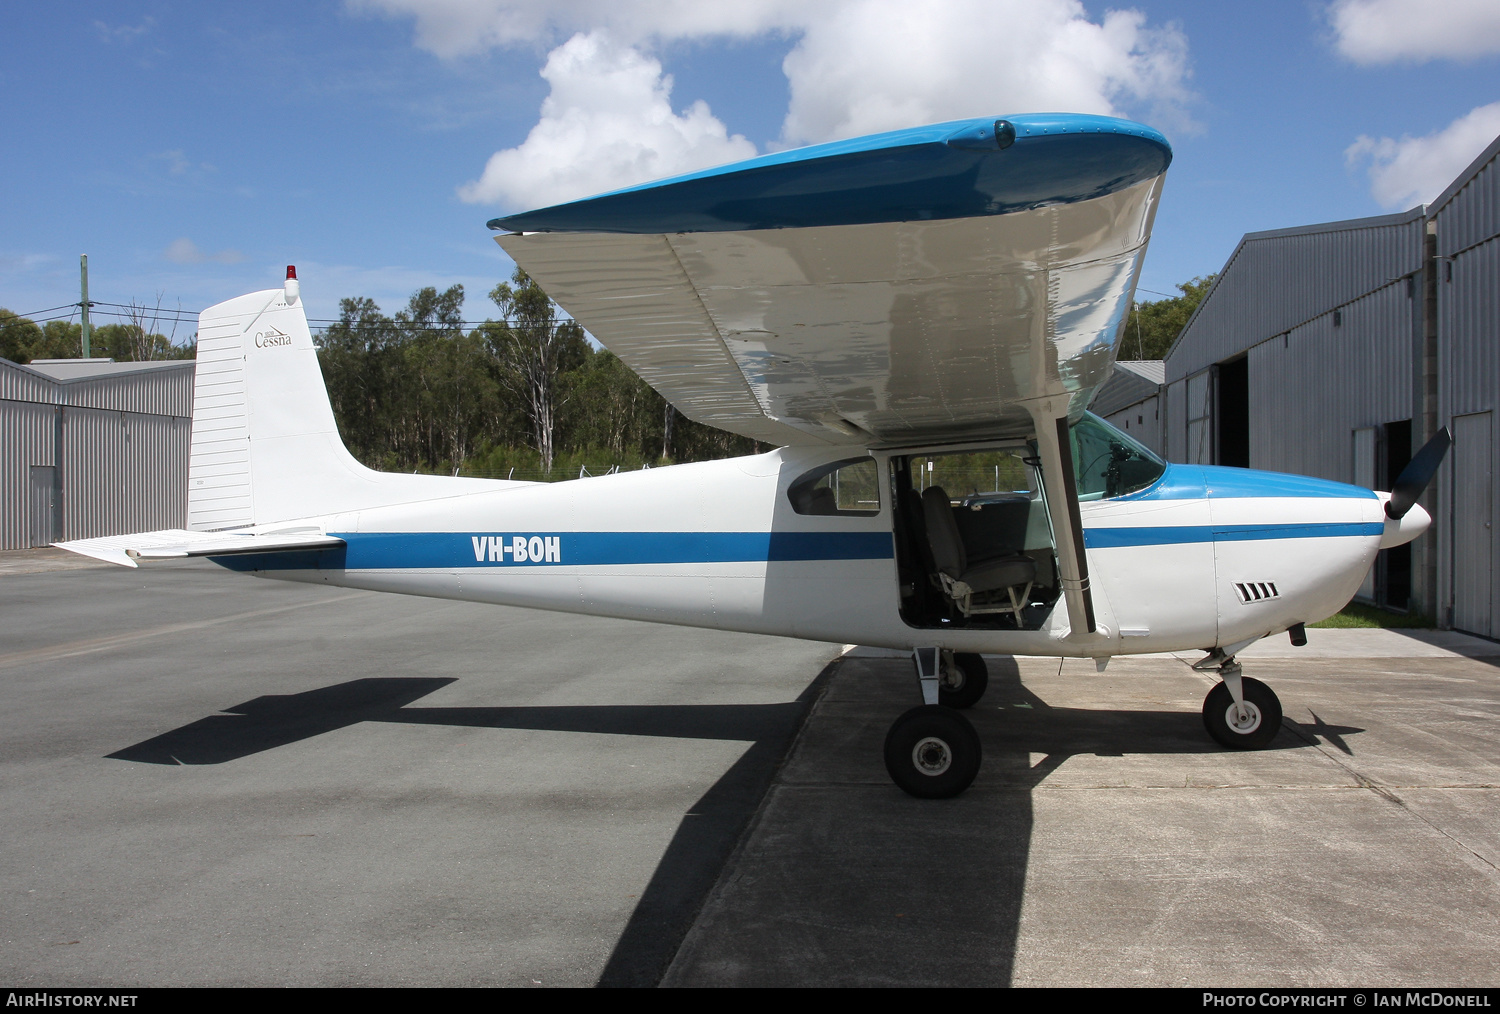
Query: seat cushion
(1000, 572)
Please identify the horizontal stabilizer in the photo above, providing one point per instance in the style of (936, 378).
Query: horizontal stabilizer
(176, 543)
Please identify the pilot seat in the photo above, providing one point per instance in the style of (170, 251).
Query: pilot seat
(999, 583)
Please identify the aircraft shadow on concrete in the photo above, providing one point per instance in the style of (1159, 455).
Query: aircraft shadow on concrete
(1022, 727)
(693, 860)
(278, 720)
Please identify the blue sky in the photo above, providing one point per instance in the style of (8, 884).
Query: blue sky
(193, 150)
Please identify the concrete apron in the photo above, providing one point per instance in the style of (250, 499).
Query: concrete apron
(1109, 841)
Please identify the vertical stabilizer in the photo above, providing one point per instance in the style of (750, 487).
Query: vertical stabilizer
(265, 445)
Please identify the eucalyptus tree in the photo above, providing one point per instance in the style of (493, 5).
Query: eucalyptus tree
(533, 350)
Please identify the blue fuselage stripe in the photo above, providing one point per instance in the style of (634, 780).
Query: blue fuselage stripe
(398, 550)
(1111, 538)
(451, 550)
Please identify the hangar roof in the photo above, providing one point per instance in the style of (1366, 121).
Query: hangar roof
(1279, 279)
(153, 388)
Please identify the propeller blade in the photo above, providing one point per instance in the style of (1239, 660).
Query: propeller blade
(1417, 474)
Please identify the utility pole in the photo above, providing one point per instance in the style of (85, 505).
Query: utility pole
(83, 275)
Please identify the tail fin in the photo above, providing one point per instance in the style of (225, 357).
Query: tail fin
(265, 445)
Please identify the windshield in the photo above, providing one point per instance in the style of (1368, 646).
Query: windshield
(1107, 463)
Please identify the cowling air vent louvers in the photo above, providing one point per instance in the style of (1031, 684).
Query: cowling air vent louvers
(1256, 591)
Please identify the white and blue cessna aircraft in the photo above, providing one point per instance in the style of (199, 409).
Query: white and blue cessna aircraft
(917, 321)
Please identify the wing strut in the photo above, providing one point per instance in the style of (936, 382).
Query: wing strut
(1067, 524)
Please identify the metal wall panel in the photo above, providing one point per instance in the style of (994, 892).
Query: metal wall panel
(1473, 504)
(27, 437)
(1197, 412)
(1276, 281)
(1468, 295)
(1174, 421)
(1313, 387)
(125, 446)
(1469, 212)
(156, 465)
(1142, 421)
(1469, 331)
(20, 384)
(93, 473)
(123, 472)
(163, 391)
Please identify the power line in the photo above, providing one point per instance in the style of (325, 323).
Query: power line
(36, 313)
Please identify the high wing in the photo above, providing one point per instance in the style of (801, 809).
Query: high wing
(927, 284)
(177, 543)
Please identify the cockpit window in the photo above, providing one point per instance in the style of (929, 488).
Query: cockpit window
(1107, 463)
(849, 488)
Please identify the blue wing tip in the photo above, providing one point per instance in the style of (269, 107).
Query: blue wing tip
(980, 135)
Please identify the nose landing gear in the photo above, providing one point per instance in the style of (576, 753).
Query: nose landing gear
(1240, 713)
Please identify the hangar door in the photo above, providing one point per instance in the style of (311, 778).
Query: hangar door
(1473, 524)
(42, 512)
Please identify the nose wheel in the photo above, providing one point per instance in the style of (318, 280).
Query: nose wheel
(1240, 713)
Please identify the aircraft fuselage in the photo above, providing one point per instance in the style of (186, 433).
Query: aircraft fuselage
(1205, 556)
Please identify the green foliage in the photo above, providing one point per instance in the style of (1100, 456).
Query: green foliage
(415, 392)
(533, 351)
(1153, 327)
(19, 338)
(1357, 614)
(22, 341)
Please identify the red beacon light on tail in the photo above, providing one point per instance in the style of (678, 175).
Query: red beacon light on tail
(291, 287)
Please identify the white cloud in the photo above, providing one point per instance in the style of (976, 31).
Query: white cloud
(877, 65)
(123, 33)
(185, 251)
(1388, 31)
(856, 66)
(1414, 170)
(456, 28)
(607, 123)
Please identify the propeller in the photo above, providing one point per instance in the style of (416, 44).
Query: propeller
(1417, 474)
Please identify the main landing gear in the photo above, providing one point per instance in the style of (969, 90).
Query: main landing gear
(1240, 713)
(932, 752)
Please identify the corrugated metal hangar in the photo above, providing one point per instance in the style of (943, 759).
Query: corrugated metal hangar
(1131, 399)
(1336, 351)
(91, 447)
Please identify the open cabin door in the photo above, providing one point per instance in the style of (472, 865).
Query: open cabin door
(974, 545)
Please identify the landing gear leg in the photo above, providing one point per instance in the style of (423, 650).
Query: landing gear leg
(1240, 713)
(932, 752)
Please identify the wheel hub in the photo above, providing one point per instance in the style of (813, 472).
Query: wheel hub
(1242, 719)
(931, 756)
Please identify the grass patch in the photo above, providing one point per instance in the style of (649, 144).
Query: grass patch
(1356, 614)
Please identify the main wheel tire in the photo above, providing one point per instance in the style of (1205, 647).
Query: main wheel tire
(1259, 725)
(932, 752)
(965, 691)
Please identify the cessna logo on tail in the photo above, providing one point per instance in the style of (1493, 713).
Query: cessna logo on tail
(271, 338)
(517, 548)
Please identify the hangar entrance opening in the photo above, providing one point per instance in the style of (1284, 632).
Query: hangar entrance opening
(1380, 455)
(1233, 414)
(1393, 566)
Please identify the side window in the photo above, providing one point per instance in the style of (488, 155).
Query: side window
(849, 488)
